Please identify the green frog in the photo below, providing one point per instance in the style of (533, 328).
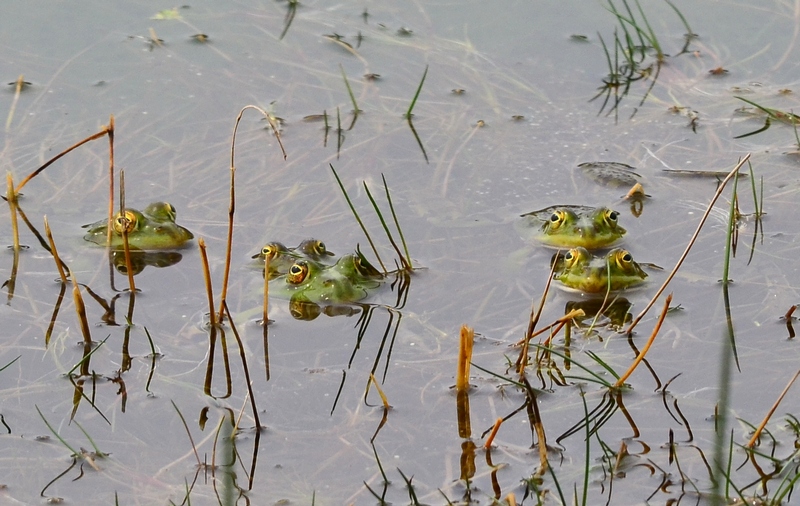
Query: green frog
(574, 226)
(282, 258)
(151, 229)
(349, 280)
(580, 270)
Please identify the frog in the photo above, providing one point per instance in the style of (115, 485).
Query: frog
(349, 280)
(581, 271)
(154, 228)
(281, 258)
(570, 226)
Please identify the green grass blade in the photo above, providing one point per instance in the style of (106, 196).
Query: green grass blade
(558, 485)
(588, 447)
(602, 363)
(386, 227)
(356, 110)
(689, 33)
(97, 450)
(88, 355)
(729, 235)
(412, 494)
(396, 222)
(419, 141)
(358, 218)
(416, 95)
(74, 453)
(597, 377)
(339, 134)
(652, 38)
(499, 376)
(8, 364)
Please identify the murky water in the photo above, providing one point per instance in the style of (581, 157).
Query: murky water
(508, 144)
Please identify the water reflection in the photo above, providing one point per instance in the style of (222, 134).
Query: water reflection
(141, 259)
(599, 314)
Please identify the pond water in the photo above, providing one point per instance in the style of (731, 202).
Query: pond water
(501, 124)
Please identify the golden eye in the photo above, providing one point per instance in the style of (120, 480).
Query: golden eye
(297, 273)
(271, 250)
(571, 257)
(319, 248)
(126, 222)
(611, 216)
(624, 258)
(171, 211)
(557, 219)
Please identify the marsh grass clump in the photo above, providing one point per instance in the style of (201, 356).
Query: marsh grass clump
(638, 55)
(403, 259)
(603, 392)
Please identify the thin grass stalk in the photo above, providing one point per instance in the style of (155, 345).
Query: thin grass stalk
(595, 378)
(212, 317)
(496, 427)
(522, 360)
(587, 448)
(56, 434)
(35, 173)
(110, 177)
(338, 133)
(97, 450)
(356, 110)
(327, 128)
(85, 360)
(188, 433)
(232, 204)
(265, 313)
(730, 232)
(575, 313)
(760, 428)
(80, 310)
(396, 222)
(689, 33)
(689, 245)
(11, 197)
(653, 39)
(358, 218)
(416, 95)
(403, 261)
(244, 366)
(126, 247)
(557, 484)
(640, 356)
(17, 90)
(384, 399)
(54, 251)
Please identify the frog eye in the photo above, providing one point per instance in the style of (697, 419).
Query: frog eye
(557, 219)
(125, 222)
(572, 256)
(319, 248)
(611, 216)
(270, 250)
(297, 273)
(624, 258)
